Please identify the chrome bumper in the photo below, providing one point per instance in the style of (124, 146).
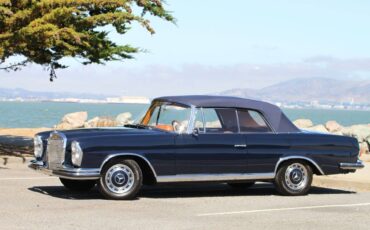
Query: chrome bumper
(352, 166)
(66, 172)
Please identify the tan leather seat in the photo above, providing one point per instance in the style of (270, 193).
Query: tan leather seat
(165, 127)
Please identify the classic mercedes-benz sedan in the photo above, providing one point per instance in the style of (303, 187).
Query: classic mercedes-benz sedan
(195, 139)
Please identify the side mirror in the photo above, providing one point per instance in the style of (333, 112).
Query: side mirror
(195, 132)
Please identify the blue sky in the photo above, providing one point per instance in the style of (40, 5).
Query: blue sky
(216, 46)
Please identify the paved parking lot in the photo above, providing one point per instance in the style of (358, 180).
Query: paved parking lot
(30, 200)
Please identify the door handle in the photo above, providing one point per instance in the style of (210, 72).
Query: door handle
(240, 146)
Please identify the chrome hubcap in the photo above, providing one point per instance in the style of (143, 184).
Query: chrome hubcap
(119, 178)
(296, 176)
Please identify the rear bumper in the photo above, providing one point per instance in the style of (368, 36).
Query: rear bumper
(352, 166)
(66, 172)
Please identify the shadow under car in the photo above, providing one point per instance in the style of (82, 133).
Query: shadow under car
(181, 191)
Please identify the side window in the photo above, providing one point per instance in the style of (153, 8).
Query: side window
(220, 120)
(252, 121)
(211, 119)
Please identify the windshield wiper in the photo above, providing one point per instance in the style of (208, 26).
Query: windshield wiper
(138, 126)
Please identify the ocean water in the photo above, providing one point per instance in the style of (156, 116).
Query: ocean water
(47, 114)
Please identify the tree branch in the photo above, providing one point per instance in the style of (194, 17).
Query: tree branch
(14, 66)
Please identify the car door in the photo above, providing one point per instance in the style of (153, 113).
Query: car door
(264, 147)
(217, 148)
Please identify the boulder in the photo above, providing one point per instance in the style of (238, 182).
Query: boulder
(303, 123)
(337, 133)
(365, 158)
(318, 128)
(333, 126)
(72, 121)
(100, 122)
(64, 126)
(368, 142)
(106, 122)
(360, 132)
(124, 118)
(364, 148)
(92, 123)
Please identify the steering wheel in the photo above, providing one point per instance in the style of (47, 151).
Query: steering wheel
(176, 125)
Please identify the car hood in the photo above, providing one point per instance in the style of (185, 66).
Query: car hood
(95, 132)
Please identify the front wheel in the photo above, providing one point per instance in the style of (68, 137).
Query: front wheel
(120, 180)
(294, 178)
(78, 185)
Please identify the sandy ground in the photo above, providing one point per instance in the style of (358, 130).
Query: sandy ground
(30, 200)
(23, 132)
(360, 180)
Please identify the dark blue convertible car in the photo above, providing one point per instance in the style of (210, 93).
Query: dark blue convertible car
(195, 139)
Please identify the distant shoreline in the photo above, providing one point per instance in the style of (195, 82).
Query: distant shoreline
(147, 103)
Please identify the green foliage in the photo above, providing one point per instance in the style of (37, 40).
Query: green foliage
(45, 31)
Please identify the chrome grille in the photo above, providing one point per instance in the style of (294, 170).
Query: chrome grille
(55, 150)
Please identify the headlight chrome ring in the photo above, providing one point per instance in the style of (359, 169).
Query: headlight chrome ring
(38, 146)
(77, 153)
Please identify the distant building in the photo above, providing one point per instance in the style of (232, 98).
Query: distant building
(127, 99)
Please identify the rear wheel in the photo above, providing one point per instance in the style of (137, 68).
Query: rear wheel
(121, 179)
(244, 185)
(78, 185)
(294, 178)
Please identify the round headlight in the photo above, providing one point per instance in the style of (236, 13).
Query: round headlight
(76, 153)
(38, 147)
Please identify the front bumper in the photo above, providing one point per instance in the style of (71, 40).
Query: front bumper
(66, 172)
(352, 166)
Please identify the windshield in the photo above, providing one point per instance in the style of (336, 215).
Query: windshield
(168, 117)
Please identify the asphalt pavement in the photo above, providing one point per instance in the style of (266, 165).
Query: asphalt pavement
(30, 200)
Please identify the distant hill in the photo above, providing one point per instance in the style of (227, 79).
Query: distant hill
(26, 94)
(306, 90)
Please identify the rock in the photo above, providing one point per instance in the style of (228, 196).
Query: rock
(364, 148)
(360, 132)
(92, 123)
(333, 126)
(318, 128)
(106, 122)
(337, 133)
(365, 158)
(124, 118)
(73, 120)
(368, 142)
(100, 122)
(303, 123)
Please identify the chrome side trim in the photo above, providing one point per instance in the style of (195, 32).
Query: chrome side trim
(109, 157)
(215, 177)
(281, 160)
(352, 166)
(67, 173)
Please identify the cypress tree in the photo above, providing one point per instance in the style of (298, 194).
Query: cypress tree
(45, 31)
